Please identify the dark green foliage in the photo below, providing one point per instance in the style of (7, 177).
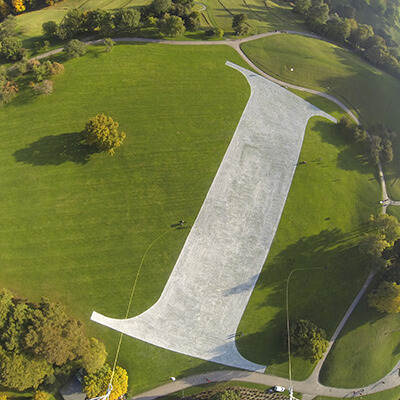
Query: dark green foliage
(242, 29)
(307, 340)
(55, 336)
(350, 130)
(160, 7)
(339, 28)
(239, 19)
(11, 48)
(386, 298)
(302, 6)
(34, 339)
(22, 371)
(126, 20)
(50, 28)
(75, 48)
(8, 27)
(72, 24)
(380, 150)
(192, 21)
(172, 26)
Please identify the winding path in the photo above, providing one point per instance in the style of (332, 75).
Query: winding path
(311, 386)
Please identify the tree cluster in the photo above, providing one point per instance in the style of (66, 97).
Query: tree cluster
(308, 340)
(10, 46)
(339, 24)
(39, 341)
(350, 130)
(384, 231)
(380, 148)
(239, 24)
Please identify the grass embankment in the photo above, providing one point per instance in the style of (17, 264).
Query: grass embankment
(357, 359)
(74, 225)
(320, 65)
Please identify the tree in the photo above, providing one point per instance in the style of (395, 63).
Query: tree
(72, 24)
(41, 395)
(318, 13)
(360, 35)
(102, 132)
(302, 6)
(11, 48)
(339, 29)
(172, 26)
(94, 356)
(8, 27)
(4, 9)
(372, 246)
(50, 28)
(307, 340)
(192, 21)
(96, 384)
(387, 226)
(54, 336)
(45, 87)
(126, 20)
(160, 7)
(20, 371)
(242, 29)
(386, 298)
(75, 48)
(56, 68)
(238, 19)
(19, 5)
(109, 43)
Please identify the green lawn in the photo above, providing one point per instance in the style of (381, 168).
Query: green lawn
(74, 225)
(330, 199)
(320, 65)
(366, 350)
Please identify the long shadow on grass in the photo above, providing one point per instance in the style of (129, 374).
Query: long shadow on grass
(329, 276)
(56, 150)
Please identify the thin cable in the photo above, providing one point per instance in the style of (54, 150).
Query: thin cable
(288, 326)
(130, 304)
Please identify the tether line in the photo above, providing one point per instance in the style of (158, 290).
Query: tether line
(131, 297)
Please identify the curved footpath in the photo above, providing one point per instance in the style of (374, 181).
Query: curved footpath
(311, 387)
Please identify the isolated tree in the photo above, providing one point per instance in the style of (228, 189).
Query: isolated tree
(94, 356)
(172, 26)
(238, 19)
(50, 28)
(307, 340)
(102, 132)
(386, 298)
(126, 20)
(373, 246)
(96, 384)
(109, 43)
(75, 48)
(242, 29)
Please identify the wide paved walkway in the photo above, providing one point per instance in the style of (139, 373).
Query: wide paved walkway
(205, 297)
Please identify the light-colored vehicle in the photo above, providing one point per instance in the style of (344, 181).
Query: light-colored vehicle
(278, 389)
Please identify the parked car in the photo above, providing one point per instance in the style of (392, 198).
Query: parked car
(278, 389)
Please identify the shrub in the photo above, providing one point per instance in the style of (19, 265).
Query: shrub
(45, 87)
(75, 48)
(56, 68)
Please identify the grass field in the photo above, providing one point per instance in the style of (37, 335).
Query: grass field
(316, 230)
(321, 65)
(74, 225)
(368, 347)
(331, 69)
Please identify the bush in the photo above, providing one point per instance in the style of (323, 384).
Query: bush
(7, 92)
(11, 48)
(50, 28)
(45, 87)
(56, 68)
(172, 26)
(75, 48)
(41, 395)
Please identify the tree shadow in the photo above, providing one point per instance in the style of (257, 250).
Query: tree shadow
(56, 150)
